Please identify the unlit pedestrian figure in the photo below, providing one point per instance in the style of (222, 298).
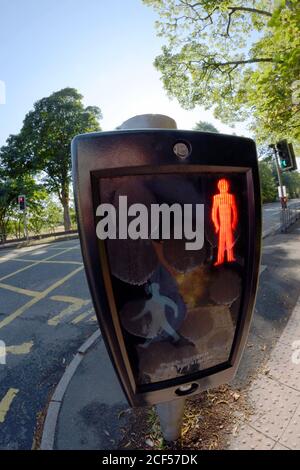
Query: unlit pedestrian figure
(156, 307)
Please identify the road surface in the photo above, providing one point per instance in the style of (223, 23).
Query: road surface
(271, 213)
(45, 315)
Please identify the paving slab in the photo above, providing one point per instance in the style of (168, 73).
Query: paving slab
(275, 395)
(275, 405)
(248, 438)
(279, 446)
(291, 436)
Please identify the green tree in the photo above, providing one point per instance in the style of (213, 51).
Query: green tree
(7, 195)
(291, 180)
(267, 182)
(9, 191)
(37, 220)
(43, 145)
(240, 58)
(73, 217)
(205, 127)
(54, 216)
(44, 218)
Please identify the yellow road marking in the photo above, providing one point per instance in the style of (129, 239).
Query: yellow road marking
(19, 349)
(48, 262)
(82, 316)
(35, 263)
(76, 304)
(6, 402)
(19, 290)
(93, 318)
(67, 298)
(55, 247)
(6, 321)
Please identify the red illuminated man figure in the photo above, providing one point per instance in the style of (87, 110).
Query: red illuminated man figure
(224, 217)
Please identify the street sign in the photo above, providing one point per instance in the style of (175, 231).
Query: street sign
(283, 191)
(170, 231)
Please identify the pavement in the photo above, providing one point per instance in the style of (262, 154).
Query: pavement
(39, 240)
(270, 367)
(88, 414)
(89, 411)
(275, 397)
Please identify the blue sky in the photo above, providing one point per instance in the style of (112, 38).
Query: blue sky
(104, 48)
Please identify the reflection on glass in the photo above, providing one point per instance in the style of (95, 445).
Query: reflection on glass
(178, 308)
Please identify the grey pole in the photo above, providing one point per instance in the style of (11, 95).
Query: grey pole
(278, 172)
(25, 224)
(170, 416)
(170, 413)
(284, 212)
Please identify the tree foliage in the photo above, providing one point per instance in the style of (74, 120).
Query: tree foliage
(267, 182)
(205, 127)
(291, 180)
(45, 218)
(43, 145)
(10, 189)
(241, 58)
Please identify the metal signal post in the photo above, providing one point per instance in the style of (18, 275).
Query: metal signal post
(23, 208)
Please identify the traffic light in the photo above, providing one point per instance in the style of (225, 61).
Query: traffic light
(170, 231)
(293, 157)
(286, 156)
(22, 202)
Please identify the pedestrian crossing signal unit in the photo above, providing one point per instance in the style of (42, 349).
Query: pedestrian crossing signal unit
(293, 157)
(286, 155)
(22, 202)
(170, 232)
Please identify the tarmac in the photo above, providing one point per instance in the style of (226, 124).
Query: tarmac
(87, 408)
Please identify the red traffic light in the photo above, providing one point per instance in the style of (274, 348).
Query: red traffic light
(22, 202)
